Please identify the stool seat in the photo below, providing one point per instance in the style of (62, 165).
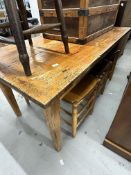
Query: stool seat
(84, 88)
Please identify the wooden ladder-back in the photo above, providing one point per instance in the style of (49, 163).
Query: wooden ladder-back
(82, 99)
(16, 22)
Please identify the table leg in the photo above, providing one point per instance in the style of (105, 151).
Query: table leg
(11, 99)
(52, 116)
(27, 101)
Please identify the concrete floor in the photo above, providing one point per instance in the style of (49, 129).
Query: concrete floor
(28, 141)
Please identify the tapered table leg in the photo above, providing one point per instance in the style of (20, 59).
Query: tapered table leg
(52, 116)
(27, 101)
(11, 99)
(16, 29)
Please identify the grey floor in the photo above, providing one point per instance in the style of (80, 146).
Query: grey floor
(28, 141)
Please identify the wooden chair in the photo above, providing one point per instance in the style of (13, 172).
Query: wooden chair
(113, 59)
(104, 69)
(15, 24)
(82, 100)
(102, 72)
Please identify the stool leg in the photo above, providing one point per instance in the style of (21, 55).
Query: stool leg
(16, 29)
(60, 16)
(74, 119)
(11, 99)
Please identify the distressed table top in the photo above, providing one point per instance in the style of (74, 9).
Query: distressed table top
(53, 72)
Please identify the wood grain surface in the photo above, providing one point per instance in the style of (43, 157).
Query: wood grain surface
(53, 72)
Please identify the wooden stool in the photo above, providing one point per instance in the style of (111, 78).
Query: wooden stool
(16, 21)
(85, 92)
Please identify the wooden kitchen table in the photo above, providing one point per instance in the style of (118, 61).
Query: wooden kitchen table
(54, 73)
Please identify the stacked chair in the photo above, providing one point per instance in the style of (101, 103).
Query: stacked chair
(101, 71)
(104, 70)
(16, 22)
(83, 96)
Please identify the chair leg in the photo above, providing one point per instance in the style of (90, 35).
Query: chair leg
(23, 16)
(93, 102)
(74, 119)
(11, 99)
(16, 28)
(60, 16)
(104, 83)
(103, 88)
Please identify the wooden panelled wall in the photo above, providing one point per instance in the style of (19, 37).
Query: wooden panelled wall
(85, 19)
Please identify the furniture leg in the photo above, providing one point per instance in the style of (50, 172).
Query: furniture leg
(104, 84)
(93, 103)
(23, 16)
(74, 119)
(11, 99)
(58, 7)
(52, 116)
(27, 101)
(112, 70)
(16, 29)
